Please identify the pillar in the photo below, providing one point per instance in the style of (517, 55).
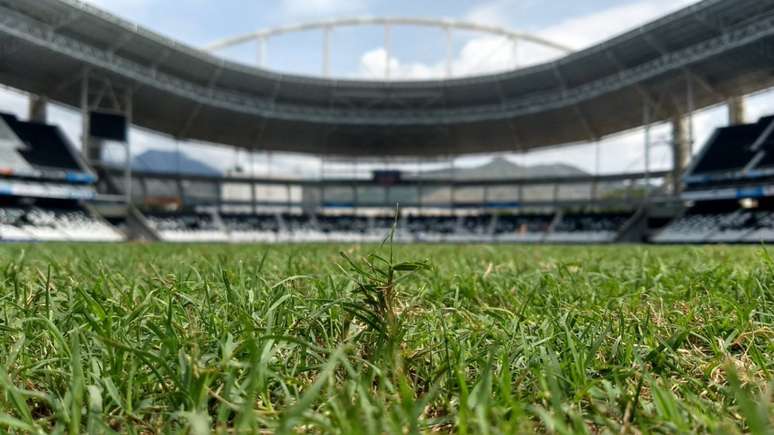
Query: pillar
(736, 111)
(680, 151)
(90, 148)
(128, 112)
(38, 109)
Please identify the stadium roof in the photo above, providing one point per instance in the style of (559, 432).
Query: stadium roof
(725, 47)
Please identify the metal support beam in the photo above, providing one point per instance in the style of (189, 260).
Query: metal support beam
(646, 121)
(253, 204)
(181, 134)
(453, 195)
(691, 106)
(355, 198)
(680, 150)
(90, 147)
(38, 111)
(594, 190)
(128, 109)
(736, 110)
(582, 117)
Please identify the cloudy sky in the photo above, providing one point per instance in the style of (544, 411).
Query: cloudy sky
(416, 54)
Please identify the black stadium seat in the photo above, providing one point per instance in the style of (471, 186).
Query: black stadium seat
(729, 150)
(45, 146)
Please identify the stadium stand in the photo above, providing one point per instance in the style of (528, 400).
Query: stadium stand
(187, 227)
(10, 159)
(730, 185)
(42, 182)
(31, 145)
(737, 153)
(721, 222)
(588, 228)
(521, 228)
(349, 227)
(52, 220)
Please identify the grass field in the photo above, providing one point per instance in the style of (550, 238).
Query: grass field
(192, 339)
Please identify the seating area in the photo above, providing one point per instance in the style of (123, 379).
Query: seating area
(730, 226)
(33, 147)
(187, 227)
(40, 223)
(734, 154)
(588, 228)
(251, 228)
(351, 228)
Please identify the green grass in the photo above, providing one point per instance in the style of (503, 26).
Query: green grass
(192, 339)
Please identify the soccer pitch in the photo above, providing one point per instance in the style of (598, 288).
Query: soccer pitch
(468, 339)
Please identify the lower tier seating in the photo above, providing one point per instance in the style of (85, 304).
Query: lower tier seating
(290, 227)
(20, 223)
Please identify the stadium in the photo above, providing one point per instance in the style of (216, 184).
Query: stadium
(426, 269)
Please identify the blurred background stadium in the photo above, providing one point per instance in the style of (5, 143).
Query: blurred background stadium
(590, 129)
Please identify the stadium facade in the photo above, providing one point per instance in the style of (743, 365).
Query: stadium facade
(115, 72)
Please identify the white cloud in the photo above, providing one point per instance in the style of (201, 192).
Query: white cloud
(481, 55)
(488, 54)
(301, 9)
(580, 31)
(583, 31)
(373, 65)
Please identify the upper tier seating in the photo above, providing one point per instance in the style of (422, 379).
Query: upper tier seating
(10, 145)
(41, 146)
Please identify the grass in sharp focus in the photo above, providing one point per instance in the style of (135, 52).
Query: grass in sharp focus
(193, 339)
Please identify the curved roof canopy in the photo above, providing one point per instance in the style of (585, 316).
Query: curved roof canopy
(722, 48)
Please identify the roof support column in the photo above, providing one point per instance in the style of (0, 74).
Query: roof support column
(595, 183)
(453, 195)
(251, 184)
(289, 198)
(355, 178)
(322, 181)
(646, 115)
(691, 105)
(355, 198)
(90, 147)
(736, 110)
(38, 111)
(128, 108)
(680, 151)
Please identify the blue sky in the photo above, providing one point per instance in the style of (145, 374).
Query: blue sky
(416, 54)
(570, 22)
